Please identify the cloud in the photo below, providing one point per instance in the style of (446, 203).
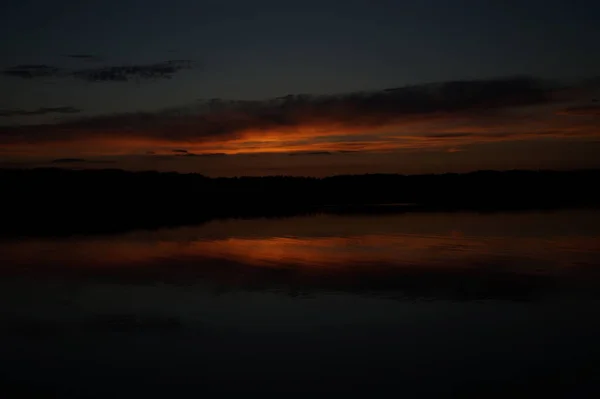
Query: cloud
(86, 57)
(581, 110)
(78, 160)
(39, 111)
(68, 160)
(124, 73)
(208, 154)
(310, 153)
(448, 135)
(178, 152)
(32, 71)
(118, 73)
(450, 114)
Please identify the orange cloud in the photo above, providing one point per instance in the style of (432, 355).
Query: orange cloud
(443, 116)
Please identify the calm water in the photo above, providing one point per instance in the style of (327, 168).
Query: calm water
(417, 305)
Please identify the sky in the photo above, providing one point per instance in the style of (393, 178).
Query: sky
(228, 88)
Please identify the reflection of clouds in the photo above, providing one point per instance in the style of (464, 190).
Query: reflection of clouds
(399, 250)
(456, 256)
(403, 251)
(328, 251)
(415, 256)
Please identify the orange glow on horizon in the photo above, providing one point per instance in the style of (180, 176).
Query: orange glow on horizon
(435, 131)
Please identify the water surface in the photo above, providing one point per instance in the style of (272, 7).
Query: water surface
(435, 304)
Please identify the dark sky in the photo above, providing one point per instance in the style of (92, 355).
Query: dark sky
(88, 68)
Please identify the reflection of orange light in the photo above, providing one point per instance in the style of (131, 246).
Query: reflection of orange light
(305, 252)
(315, 252)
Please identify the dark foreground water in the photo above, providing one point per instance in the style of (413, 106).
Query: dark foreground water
(414, 305)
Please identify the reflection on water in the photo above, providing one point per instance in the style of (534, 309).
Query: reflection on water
(308, 252)
(337, 302)
(438, 256)
(454, 240)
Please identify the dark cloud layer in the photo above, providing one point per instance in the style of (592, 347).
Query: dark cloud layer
(31, 71)
(85, 57)
(39, 111)
(119, 73)
(310, 153)
(299, 119)
(209, 155)
(448, 135)
(68, 160)
(124, 73)
(582, 110)
(78, 161)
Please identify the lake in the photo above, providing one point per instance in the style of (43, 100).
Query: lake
(415, 305)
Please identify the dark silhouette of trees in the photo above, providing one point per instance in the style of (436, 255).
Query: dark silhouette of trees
(112, 199)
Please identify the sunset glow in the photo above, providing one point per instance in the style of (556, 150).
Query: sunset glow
(452, 117)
